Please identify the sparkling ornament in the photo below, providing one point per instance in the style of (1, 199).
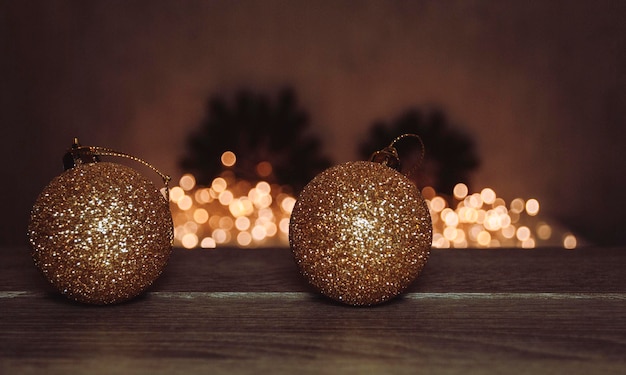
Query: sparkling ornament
(361, 232)
(100, 232)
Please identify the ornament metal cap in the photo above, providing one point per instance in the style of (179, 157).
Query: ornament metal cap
(389, 155)
(73, 156)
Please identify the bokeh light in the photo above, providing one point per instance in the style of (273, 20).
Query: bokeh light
(264, 169)
(208, 243)
(460, 191)
(219, 185)
(232, 212)
(228, 159)
(488, 195)
(532, 207)
(185, 202)
(176, 193)
(189, 241)
(187, 182)
(569, 241)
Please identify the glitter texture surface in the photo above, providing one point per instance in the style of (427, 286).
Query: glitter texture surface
(360, 233)
(101, 233)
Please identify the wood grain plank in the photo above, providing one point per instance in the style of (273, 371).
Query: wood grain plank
(248, 311)
(504, 270)
(419, 332)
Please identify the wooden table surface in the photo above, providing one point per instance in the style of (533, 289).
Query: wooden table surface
(542, 311)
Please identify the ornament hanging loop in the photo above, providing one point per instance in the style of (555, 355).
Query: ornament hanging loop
(78, 154)
(389, 155)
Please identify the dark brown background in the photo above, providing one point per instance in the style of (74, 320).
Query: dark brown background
(541, 86)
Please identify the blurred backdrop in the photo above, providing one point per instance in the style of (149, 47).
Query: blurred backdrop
(537, 88)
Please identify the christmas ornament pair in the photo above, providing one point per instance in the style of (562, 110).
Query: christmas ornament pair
(102, 233)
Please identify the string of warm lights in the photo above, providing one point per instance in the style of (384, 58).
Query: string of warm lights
(230, 212)
(485, 220)
(235, 212)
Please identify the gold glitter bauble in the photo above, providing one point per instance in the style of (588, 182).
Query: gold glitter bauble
(360, 232)
(101, 233)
